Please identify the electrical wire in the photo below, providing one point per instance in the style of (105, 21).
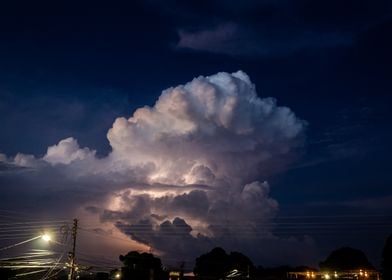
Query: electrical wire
(328, 225)
(46, 276)
(103, 235)
(29, 273)
(20, 243)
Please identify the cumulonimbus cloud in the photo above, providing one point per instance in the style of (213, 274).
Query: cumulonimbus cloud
(211, 129)
(193, 166)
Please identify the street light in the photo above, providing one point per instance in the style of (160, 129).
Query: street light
(46, 237)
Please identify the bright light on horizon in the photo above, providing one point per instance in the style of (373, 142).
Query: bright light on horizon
(46, 237)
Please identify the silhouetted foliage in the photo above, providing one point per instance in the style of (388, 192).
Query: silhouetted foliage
(212, 265)
(274, 273)
(346, 258)
(6, 273)
(387, 259)
(142, 266)
(102, 276)
(217, 263)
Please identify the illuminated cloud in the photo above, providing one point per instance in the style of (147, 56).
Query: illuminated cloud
(67, 151)
(192, 167)
(211, 130)
(208, 142)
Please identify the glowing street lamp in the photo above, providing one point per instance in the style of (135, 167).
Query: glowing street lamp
(46, 237)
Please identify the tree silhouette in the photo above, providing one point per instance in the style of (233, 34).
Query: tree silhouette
(387, 259)
(217, 263)
(213, 264)
(346, 258)
(241, 262)
(6, 273)
(142, 266)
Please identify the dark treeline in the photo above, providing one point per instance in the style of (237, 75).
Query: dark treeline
(218, 264)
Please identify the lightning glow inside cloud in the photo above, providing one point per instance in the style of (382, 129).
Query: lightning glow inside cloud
(189, 171)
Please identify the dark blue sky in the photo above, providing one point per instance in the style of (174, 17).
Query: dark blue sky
(69, 69)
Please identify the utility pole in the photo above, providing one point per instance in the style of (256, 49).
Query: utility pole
(71, 275)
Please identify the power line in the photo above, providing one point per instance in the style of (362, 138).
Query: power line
(30, 273)
(103, 235)
(20, 243)
(46, 276)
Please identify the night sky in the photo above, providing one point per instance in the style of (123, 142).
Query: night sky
(259, 126)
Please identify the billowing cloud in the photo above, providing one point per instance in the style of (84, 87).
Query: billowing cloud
(186, 174)
(210, 130)
(67, 151)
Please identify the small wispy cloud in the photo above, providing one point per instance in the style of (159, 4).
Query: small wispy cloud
(241, 40)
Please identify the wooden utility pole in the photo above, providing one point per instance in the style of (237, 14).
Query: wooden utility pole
(71, 275)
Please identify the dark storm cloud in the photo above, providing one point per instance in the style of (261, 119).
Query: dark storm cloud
(171, 237)
(195, 203)
(174, 238)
